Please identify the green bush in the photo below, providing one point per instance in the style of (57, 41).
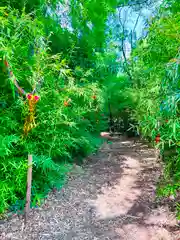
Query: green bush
(156, 75)
(68, 115)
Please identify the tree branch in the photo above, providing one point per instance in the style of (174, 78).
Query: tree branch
(122, 46)
(136, 23)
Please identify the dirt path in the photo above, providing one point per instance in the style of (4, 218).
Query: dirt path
(111, 197)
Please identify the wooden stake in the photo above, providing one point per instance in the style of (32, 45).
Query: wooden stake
(28, 192)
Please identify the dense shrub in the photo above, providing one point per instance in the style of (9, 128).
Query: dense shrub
(155, 92)
(77, 92)
(68, 115)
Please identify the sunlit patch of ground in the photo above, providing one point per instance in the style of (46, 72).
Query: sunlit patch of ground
(111, 197)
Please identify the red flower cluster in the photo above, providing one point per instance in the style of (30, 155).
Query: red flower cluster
(158, 138)
(6, 63)
(36, 98)
(94, 97)
(30, 97)
(66, 104)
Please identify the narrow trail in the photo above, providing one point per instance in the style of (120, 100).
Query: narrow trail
(110, 197)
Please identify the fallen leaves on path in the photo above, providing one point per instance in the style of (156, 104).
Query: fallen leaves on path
(111, 197)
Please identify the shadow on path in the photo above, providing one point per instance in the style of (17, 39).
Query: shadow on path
(110, 197)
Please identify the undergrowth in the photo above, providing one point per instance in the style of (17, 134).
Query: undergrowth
(155, 92)
(67, 118)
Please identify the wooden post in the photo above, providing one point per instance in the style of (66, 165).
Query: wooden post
(28, 192)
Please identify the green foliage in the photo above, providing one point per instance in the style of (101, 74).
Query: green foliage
(155, 92)
(89, 19)
(68, 114)
(29, 5)
(69, 67)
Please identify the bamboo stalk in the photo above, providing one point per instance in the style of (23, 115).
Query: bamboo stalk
(28, 192)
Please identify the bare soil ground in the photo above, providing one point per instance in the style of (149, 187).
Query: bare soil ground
(111, 197)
